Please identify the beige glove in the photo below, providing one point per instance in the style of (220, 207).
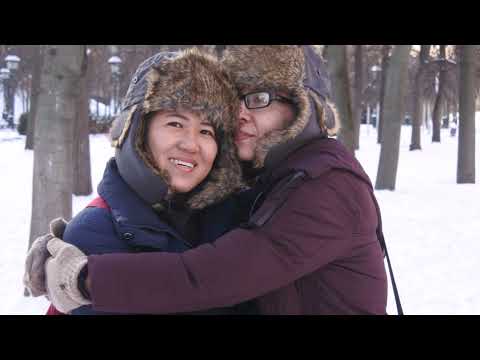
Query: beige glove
(34, 276)
(62, 270)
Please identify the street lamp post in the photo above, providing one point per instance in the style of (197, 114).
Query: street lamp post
(12, 62)
(115, 63)
(4, 76)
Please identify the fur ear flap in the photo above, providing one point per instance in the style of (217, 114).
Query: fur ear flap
(328, 119)
(332, 119)
(120, 127)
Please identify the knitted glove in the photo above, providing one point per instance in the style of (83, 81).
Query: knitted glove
(57, 227)
(34, 276)
(62, 271)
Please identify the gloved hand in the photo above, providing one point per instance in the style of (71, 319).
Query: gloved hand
(62, 271)
(34, 276)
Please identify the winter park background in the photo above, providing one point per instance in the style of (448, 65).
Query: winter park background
(430, 222)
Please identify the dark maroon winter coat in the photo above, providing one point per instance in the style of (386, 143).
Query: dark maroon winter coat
(319, 254)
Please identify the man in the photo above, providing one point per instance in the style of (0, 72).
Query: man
(310, 245)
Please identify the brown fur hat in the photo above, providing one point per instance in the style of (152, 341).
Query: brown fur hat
(194, 81)
(295, 70)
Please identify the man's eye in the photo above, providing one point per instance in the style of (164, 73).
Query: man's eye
(258, 99)
(175, 124)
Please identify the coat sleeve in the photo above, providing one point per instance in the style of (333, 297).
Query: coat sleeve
(310, 230)
(92, 231)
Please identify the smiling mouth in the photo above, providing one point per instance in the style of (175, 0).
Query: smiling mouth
(183, 165)
(242, 136)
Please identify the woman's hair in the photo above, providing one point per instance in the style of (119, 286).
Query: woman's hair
(142, 147)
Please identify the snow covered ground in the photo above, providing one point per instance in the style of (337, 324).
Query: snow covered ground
(431, 224)
(16, 166)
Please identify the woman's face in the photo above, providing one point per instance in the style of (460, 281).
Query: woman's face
(183, 144)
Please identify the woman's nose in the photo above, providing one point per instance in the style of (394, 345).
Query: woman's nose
(189, 142)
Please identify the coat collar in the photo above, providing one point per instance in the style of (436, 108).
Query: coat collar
(319, 156)
(126, 206)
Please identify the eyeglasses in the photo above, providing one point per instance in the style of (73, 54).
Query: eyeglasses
(262, 99)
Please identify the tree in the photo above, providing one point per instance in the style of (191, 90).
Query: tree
(219, 49)
(53, 156)
(440, 100)
(156, 48)
(380, 117)
(338, 69)
(82, 180)
(423, 58)
(394, 109)
(34, 92)
(358, 91)
(466, 130)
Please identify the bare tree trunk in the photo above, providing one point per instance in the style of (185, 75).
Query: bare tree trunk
(177, 47)
(52, 167)
(24, 99)
(35, 89)
(440, 99)
(82, 180)
(220, 49)
(466, 130)
(337, 65)
(395, 96)
(426, 114)
(380, 116)
(357, 98)
(416, 141)
(156, 48)
(27, 100)
(452, 110)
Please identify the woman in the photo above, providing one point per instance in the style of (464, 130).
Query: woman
(174, 156)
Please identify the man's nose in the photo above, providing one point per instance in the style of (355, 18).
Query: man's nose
(244, 114)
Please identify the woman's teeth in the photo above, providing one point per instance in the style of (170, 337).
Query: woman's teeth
(183, 163)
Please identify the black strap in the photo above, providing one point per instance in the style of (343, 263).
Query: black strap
(280, 194)
(383, 244)
(394, 285)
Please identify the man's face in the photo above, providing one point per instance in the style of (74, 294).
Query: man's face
(255, 124)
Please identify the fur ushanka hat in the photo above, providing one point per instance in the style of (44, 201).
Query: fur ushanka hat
(190, 80)
(298, 71)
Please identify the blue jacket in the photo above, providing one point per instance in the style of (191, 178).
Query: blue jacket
(130, 225)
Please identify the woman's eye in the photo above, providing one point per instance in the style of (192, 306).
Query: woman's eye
(207, 132)
(175, 124)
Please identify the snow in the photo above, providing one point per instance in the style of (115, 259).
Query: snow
(114, 60)
(430, 223)
(16, 197)
(13, 58)
(102, 108)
